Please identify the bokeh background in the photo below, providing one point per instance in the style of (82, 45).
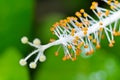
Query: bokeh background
(33, 18)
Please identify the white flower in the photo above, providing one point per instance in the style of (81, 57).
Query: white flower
(83, 35)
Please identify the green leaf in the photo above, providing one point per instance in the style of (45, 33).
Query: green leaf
(15, 21)
(10, 68)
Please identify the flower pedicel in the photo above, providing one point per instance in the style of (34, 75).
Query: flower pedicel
(81, 35)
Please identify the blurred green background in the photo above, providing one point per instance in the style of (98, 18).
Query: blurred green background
(33, 18)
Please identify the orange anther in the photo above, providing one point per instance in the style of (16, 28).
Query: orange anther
(87, 23)
(85, 46)
(77, 37)
(80, 24)
(101, 29)
(56, 53)
(68, 19)
(112, 7)
(116, 2)
(78, 51)
(82, 11)
(94, 5)
(77, 23)
(73, 59)
(85, 14)
(78, 14)
(88, 53)
(75, 41)
(85, 32)
(80, 44)
(94, 41)
(107, 12)
(99, 13)
(100, 23)
(64, 58)
(90, 37)
(110, 44)
(109, 2)
(51, 29)
(97, 46)
(69, 46)
(75, 18)
(118, 33)
(115, 33)
(92, 51)
(52, 40)
(113, 41)
(103, 36)
(85, 29)
(72, 32)
(68, 57)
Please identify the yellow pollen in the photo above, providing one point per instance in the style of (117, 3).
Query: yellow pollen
(97, 46)
(85, 46)
(75, 18)
(100, 23)
(52, 40)
(90, 37)
(94, 41)
(68, 19)
(99, 13)
(56, 53)
(113, 41)
(101, 29)
(90, 52)
(78, 51)
(115, 33)
(77, 24)
(80, 24)
(72, 32)
(112, 7)
(51, 29)
(103, 36)
(85, 29)
(94, 5)
(78, 14)
(85, 14)
(82, 11)
(85, 32)
(87, 23)
(67, 57)
(116, 2)
(69, 47)
(110, 44)
(64, 58)
(77, 37)
(73, 59)
(118, 33)
(107, 12)
(75, 41)
(109, 2)
(80, 44)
